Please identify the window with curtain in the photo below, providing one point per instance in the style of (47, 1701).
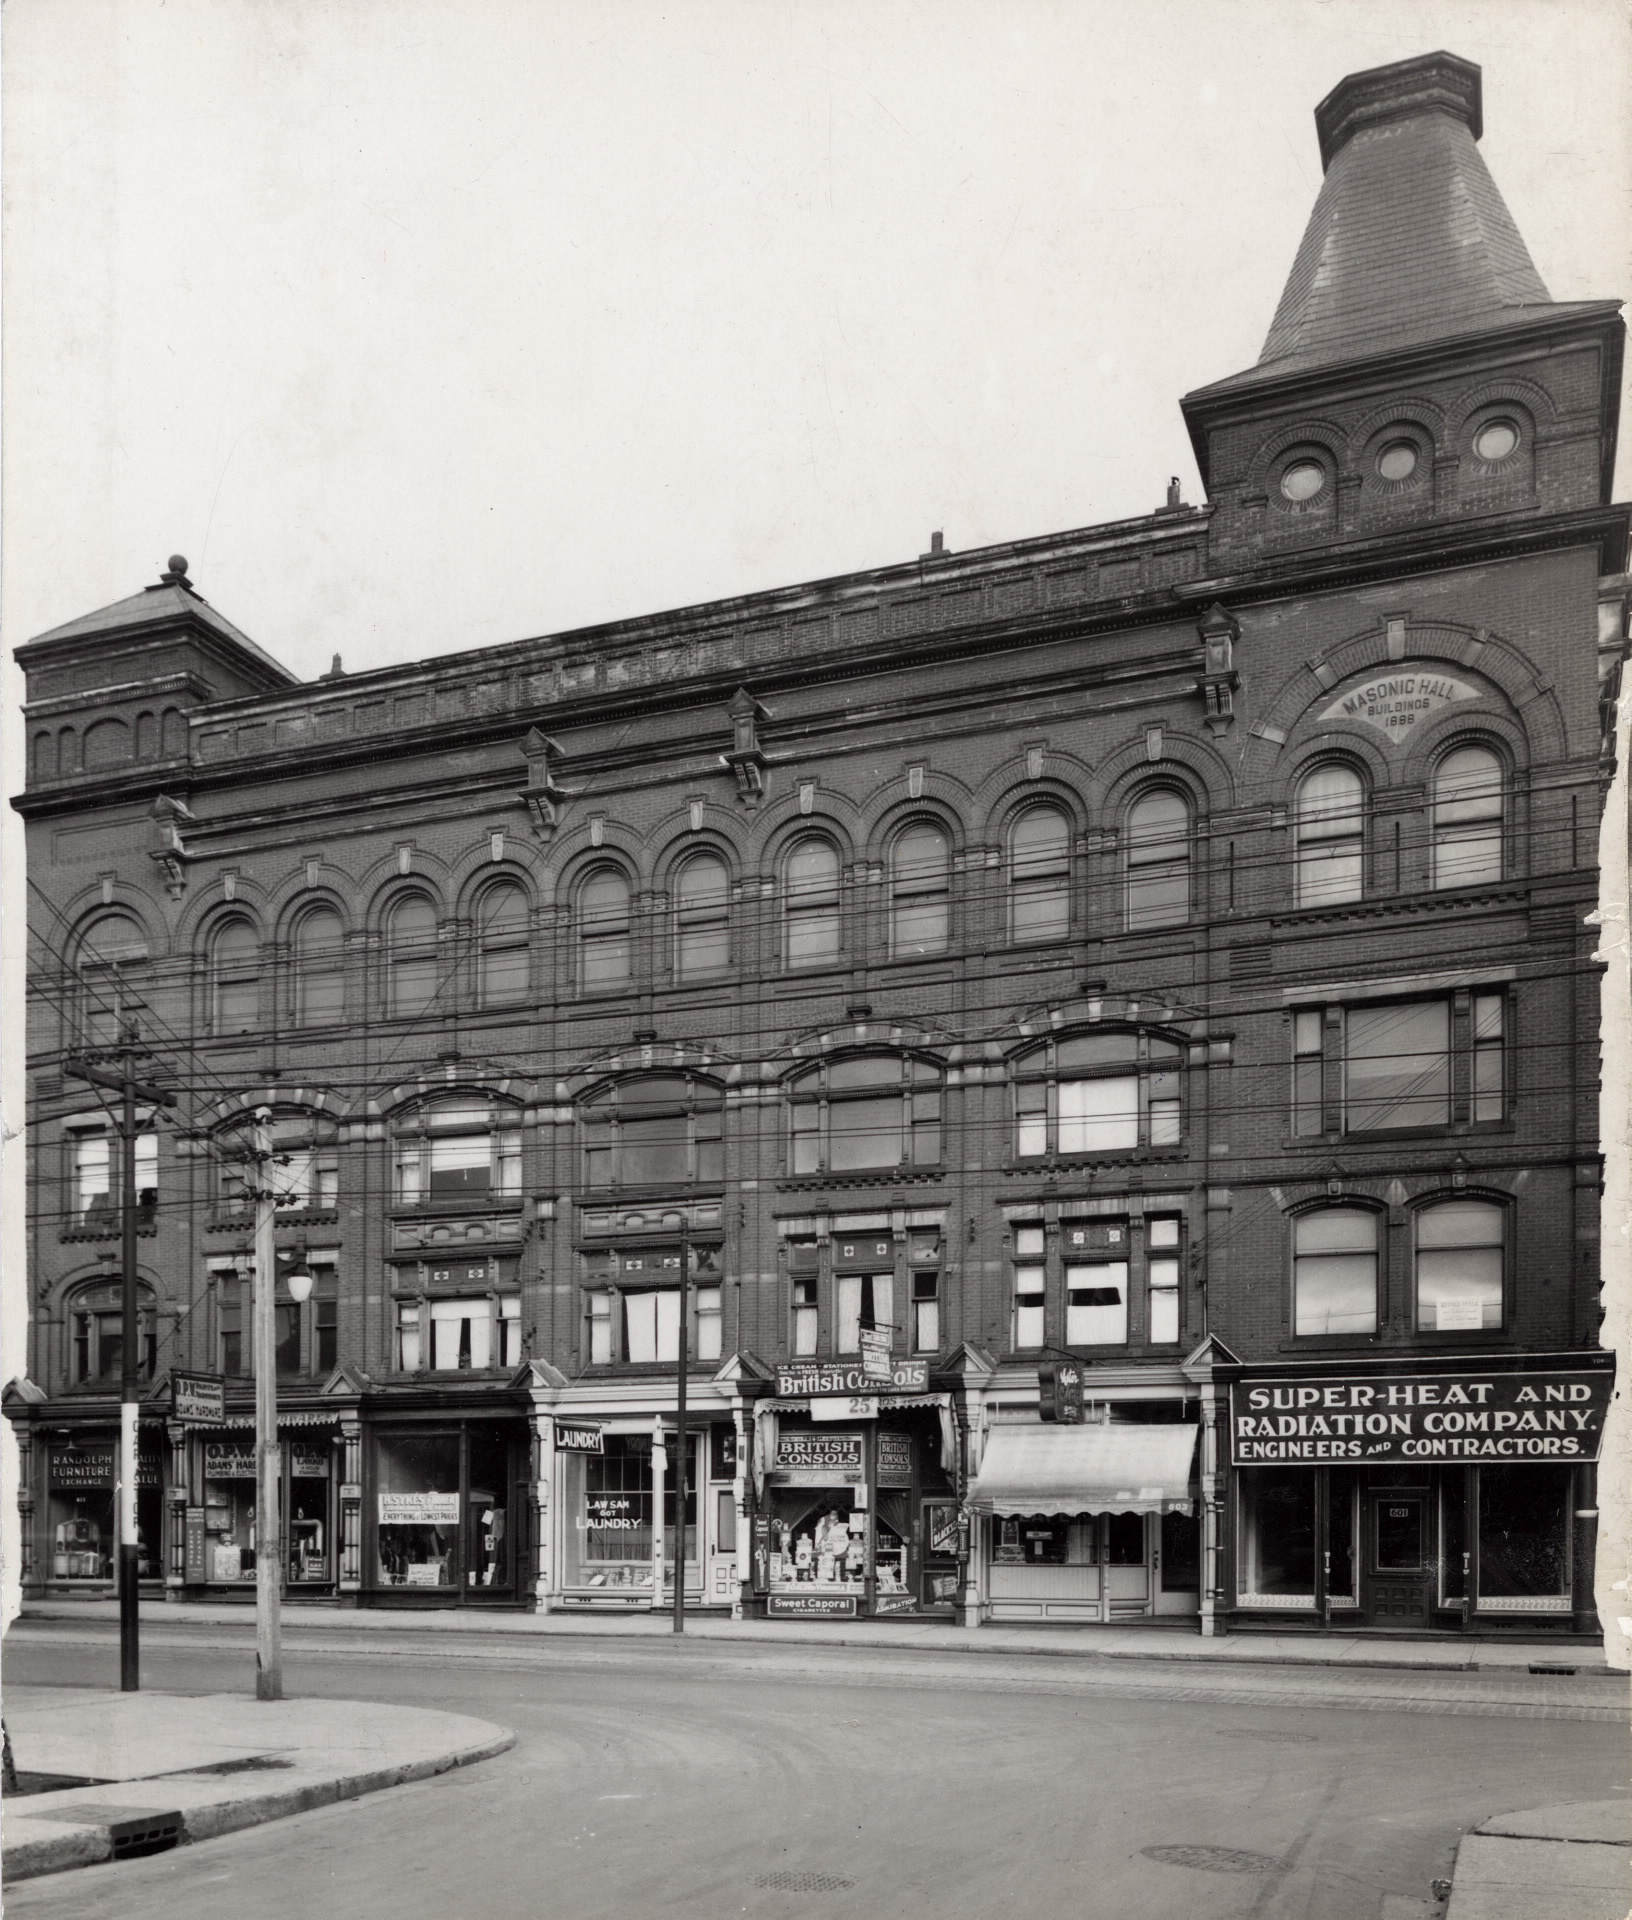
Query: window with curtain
(111, 967)
(320, 960)
(457, 1149)
(1461, 1253)
(702, 923)
(811, 904)
(1467, 812)
(1040, 875)
(1158, 861)
(411, 955)
(502, 945)
(235, 985)
(1330, 823)
(1334, 1271)
(920, 899)
(605, 961)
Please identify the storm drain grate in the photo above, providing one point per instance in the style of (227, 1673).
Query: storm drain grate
(803, 1882)
(1214, 1859)
(141, 1831)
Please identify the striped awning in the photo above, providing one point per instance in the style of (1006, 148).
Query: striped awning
(1088, 1469)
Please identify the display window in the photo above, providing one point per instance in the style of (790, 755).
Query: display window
(307, 1534)
(82, 1525)
(1276, 1536)
(229, 1511)
(609, 1496)
(1524, 1537)
(442, 1510)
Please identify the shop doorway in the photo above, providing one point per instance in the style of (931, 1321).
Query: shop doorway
(1397, 1559)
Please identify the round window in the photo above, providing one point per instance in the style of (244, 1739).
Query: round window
(1398, 460)
(1495, 440)
(1303, 479)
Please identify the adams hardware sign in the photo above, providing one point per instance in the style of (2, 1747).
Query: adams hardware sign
(1410, 1419)
(805, 1382)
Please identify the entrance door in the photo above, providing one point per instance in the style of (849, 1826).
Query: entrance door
(1397, 1572)
(722, 1547)
(1127, 1565)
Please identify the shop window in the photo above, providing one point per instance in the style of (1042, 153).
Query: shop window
(235, 984)
(920, 900)
(96, 1320)
(1040, 876)
(702, 922)
(320, 959)
(80, 1516)
(1343, 1507)
(1461, 1254)
(1467, 816)
(661, 1130)
(1334, 1271)
(1162, 1277)
(411, 967)
(614, 1535)
(111, 966)
(1098, 1093)
(1398, 1062)
(417, 1488)
(458, 1149)
(865, 1111)
(671, 1478)
(1030, 1286)
(1277, 1536)
(811, 904)
(1453, 1538)
(1329, 826)
(605, 956)
(863, 1300)
(503, 955)
(1524, 1535)
(1158, 861)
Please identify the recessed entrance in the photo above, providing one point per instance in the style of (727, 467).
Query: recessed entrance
(1396, 1558)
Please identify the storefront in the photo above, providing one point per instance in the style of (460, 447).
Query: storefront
(1458, 1494)
(445, 1512)
(220, 1517)
(81, 1529)
(1092, 1522)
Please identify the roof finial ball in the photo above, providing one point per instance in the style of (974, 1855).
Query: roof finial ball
(176, 574)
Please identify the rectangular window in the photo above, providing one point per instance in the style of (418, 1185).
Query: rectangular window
(1031, 1117)
(461, 1164)
(651, 1327)
(708, 1317)
(864, 1300)
(93, 1188)
(1277, 1535)
(509, 1331)
(1398, 1066)
(286, 1334)
(1096, 1304)
(1524, 1533)
(1099, 1116)
(1030, 1286)
(601, 1352)
(1308, 1069)
(1335, 1271)
(1162, 1271)
(1164, 1108)
(805, 1318)
(865, 1133)
(325, 1334)
(1489, 1058)
(813, 935)
(408, 1340)
(1460, 1260)
(461, 1335)
(926, 1313)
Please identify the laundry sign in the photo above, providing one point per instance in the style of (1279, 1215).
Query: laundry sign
(1394, 702)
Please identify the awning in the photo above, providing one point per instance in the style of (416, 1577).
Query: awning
(1050, 1469)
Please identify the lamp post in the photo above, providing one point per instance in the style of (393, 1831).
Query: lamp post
(268, 1454)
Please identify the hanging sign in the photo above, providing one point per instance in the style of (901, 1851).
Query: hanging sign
(418, 1509)
(1059, 1391)
(800, 1382)
(1556, 1414)
(198, 1397)
(1393, 703)
(577, 1437)
(875, 1354)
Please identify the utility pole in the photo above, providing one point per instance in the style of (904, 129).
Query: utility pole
(680, 1439)
(130, 1090)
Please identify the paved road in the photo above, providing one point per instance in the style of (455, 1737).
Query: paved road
(699, 1781)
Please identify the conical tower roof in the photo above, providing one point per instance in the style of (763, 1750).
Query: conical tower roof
(1410, 241)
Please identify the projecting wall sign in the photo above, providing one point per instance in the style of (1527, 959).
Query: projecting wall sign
(1393, 703)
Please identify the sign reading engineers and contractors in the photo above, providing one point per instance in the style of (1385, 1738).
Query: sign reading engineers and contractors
(1554, 1414)
(803, 1382)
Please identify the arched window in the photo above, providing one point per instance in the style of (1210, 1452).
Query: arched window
(874, 1110)
(1334, 1271)
(660, 1130)
(1468, 818)
(920, 904)
(235, 985)
(502, 951)
(603, 932)
(1331, 822)
(111, 965)
(1040, 875)
(1461, 1257)
(812, 904)
(411, 955)
(320, 961)
(1158, 861)
(702, 928)
(1096, 1093)
(96, 1320)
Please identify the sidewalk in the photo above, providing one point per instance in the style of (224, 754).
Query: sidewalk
(168, 1768)
(1179, 1641)
(1545, 1863)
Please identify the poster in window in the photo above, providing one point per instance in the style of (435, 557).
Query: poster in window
(941, 1529)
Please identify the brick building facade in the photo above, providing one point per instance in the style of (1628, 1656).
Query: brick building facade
(1155, 950)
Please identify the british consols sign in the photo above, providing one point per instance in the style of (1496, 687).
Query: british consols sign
(1406, 1418)
(802, 1382)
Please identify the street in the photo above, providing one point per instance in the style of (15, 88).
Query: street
(698, 1779)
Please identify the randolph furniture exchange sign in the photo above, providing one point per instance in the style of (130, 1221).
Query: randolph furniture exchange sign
(1552, 1414)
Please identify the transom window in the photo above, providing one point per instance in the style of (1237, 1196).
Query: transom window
(604, 950)
(502, 949)
(865, 1110)
(457, 1149)
(659, 1130)
(1040, 876)
(1334, 1271)
(411, 955)
(235, 986)
(1467, 810)
(702, 924)
(1158, 861)
(1461, 1256)
(320, 959)
(1098, 1093)
(1330, 829)
(811, 904)
(920, 900)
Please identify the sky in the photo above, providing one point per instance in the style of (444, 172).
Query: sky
(421, 325)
